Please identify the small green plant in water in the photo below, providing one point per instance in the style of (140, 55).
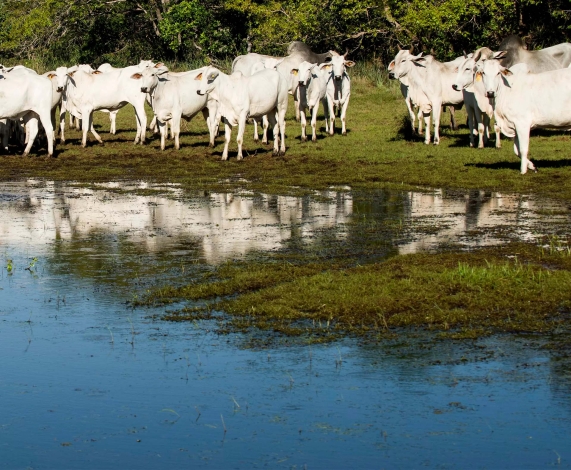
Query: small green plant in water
(9, 265)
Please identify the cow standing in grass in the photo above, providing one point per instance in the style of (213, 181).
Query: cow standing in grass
(239, 97)
(526, 101)
(338, 89)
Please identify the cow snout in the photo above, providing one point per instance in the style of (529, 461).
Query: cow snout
(490, 94)
(144, 89)
(198, 93)
(59, 89)
(456, 87)
(338, 77)
(392, 75)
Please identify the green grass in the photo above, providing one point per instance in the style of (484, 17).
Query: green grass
(373, 154)
(463, 295)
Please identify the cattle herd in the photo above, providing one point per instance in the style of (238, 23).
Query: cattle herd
(520, 89)
(257, 89)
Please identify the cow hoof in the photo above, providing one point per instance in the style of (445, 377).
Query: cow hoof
(344, 133)
(211, 145)
(304, 139)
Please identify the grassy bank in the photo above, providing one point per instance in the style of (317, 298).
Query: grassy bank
(514, 288)
(374, 153)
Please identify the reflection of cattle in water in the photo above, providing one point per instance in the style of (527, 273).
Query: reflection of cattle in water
(225, 225)
(451, 216)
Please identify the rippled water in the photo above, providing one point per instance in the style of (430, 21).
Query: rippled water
(88, 382)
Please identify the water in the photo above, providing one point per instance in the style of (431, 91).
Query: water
(88, 382)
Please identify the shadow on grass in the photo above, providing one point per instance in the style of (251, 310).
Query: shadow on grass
(404, 132)
(515, 165)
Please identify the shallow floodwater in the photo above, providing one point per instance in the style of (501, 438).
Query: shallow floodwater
(88, 382)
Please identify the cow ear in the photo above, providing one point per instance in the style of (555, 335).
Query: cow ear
(349, 63)
(71, 74)
(499, 54)
(136, 76)
(199, 76)
(325, 66)
(506, 72)
(52, 76)
(478, 76)
(391, 65)
(159, 65)
(96, 72)
(294, 71)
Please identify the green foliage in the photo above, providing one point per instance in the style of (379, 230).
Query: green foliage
(192, 26)
(124, 31)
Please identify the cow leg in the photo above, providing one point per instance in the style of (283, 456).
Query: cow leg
(411, 114)
(331, 117)
(113, 120)
(452, 111)
(436, 110)
(45, 119)
(343, 116)
(256, 136)
(172, 132)
(426, 117)
(325, 104)
(175, 129)
(498, 136)
(281, 114)
(420, 119)
(227, 137)
(31, 126)
(62, 124)
(297, 111)
(303, 124)
(141, 122)
(314, 122)
(163, 131)
(471, 127)
(240, 136)
(265, 124)
(87, 117)
(4, 124)
(210, 118)
(522, 140)
(153, 125)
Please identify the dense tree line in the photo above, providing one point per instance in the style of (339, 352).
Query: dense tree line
(122, 31)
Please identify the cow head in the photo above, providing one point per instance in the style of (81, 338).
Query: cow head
(61, 74)
(493, 75)
(337, 66)
(465, 74)
(150, 77)
(209, 78)
(304, 73)
(396, 65)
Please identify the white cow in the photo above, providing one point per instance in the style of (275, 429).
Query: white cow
(478, 106)
(174, 96)
(413, 108)
(28, 95)
(431, 83)
(106, 67)
(338, 89)
(525, 101)
(239, 97)
(312, 90)
(88, 92)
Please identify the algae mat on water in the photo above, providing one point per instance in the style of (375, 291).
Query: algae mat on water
(514, 288)
(374, 153)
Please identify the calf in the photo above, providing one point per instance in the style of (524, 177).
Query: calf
(241, 97)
